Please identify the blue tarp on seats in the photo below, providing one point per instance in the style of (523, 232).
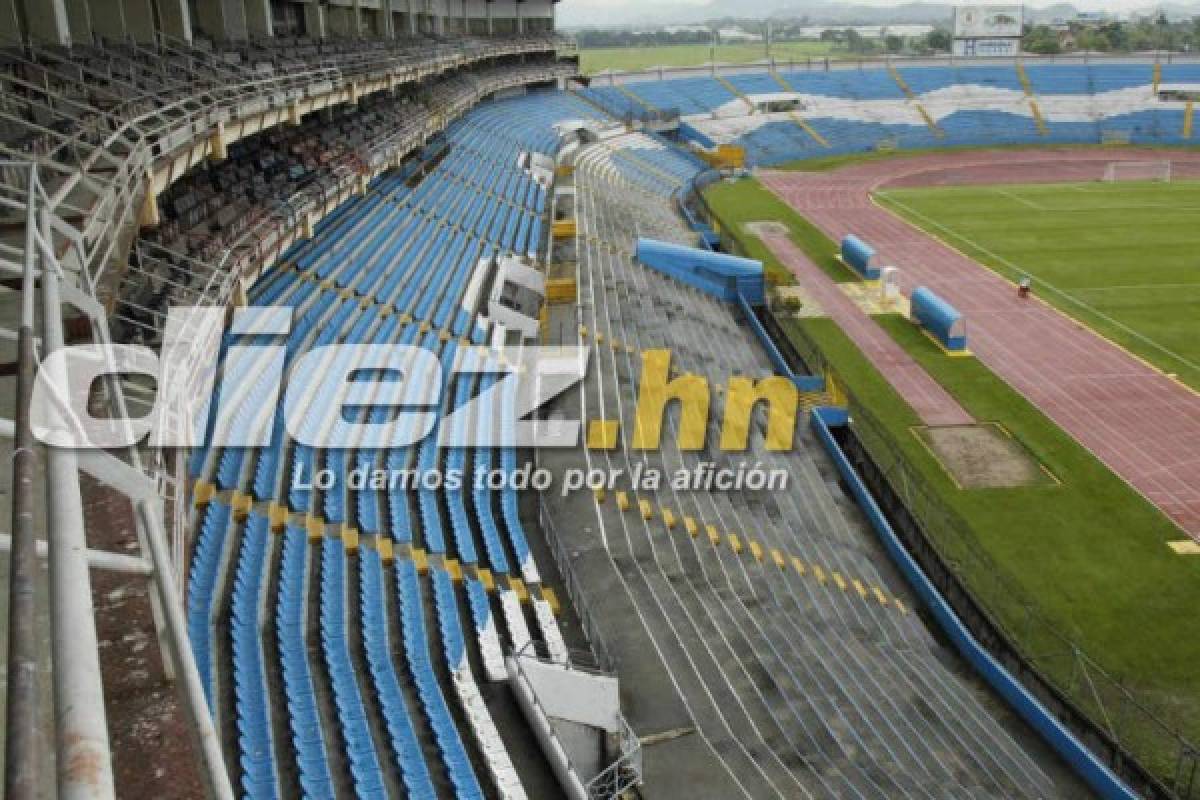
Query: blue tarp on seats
(941, 319)
(721, 275)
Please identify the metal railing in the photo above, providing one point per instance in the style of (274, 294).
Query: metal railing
(625, 770)
(99, 170)
(78, 188)
(612, 77)
(624, 773)
(82, 745)
(579, 600)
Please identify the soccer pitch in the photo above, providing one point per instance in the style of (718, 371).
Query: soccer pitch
(1122, 258)
(598, 59)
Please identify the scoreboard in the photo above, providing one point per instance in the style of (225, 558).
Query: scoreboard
(988, 30)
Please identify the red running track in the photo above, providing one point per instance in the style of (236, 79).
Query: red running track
(1142, 424)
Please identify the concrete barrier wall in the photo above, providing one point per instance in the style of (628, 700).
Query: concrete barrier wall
(805, 383)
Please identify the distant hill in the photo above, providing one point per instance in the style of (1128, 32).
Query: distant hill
(582, 13)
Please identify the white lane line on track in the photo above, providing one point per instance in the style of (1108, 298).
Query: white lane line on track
(1044, 283)
(1137, 287)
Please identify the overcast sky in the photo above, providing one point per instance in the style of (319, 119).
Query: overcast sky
(572, 11)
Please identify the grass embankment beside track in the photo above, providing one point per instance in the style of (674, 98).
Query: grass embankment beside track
(733, 205)
(598, 59)
(1088, 555)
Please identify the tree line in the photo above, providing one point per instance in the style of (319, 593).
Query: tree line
(1115, 36)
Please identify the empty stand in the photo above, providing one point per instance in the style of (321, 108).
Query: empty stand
(379, 610)
(758, 606)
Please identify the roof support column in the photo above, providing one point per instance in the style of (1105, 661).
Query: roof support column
(175, 17)
(47, 20)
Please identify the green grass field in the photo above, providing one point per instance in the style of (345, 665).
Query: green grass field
(1123, 258)
(593, 60)
(1088, 555)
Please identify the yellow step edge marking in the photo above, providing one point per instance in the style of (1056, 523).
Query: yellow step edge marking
(809, 129)
(349, 537)
(933, 126)
(839, 581)
(899, 79)
(518, 586)
(858, 587)
(818, 573)
(454, 568)
(551, 599)
(713, 536)
(599, 494)
(669, 518)
(799, 565)
(735, 543)
(485, 578)
(622, 501)
(646, 509)
(1187, 118)
(421, 560)
(634, 98)
(879, 595)
(736, 92)
(777, 557)
(314, 526)
(277, 516)
(202, 493)
(241, 505)
(387, 553)
(1023, 77)
(1038, 120)
(690, 526)
(896, 601)
(756, 550)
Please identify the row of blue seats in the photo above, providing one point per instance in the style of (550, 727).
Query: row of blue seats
(456, 463)
(201, 585)
(412, 618)
(406, 247)
(260, 777)
(778, 141)
(689, 95)
(397, 715)
(363, 761)
(612, 100)
(645, 166)
(304, 718)
(702, 95)
(482, 496)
